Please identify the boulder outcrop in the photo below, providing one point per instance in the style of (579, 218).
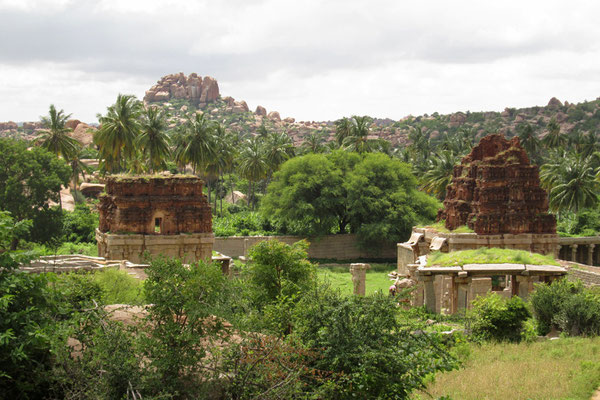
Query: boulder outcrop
(194, 88)
(495, 190)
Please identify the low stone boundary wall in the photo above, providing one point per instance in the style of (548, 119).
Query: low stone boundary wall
(588, 278)
(339, 247)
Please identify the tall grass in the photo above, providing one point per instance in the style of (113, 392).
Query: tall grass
(119, 287)
(341, 279)
(557, 369)
(486, 255)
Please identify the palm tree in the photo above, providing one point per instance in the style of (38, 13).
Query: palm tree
(153, 140)
(78, 167)
(278, 149)
(554, 138)
(530, 141)
(118, 131)
(313, 143)
(343, 129)
(439, 174)
(358, 139)
(253, 165)
(197, 145)
(572, 181)
(55, 138)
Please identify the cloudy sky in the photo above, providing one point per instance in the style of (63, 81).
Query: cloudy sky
(309, 59)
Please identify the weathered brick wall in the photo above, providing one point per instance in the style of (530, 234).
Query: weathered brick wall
(339, 247)
(588, 278)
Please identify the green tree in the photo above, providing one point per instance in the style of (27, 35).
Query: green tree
(384, 202)
(277, 269)
(253, 165)
(118, 131)
(180, 325)
(530, 142)
(358, 138)
(554, 138)
(571, 181)
(439, 173)
(153, 139)
(343, 129)
(29, 179)
(313, 143)
(55, 136)
(308, 196)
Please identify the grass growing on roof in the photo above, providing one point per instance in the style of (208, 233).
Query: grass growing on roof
(441, 227)
(486, 255)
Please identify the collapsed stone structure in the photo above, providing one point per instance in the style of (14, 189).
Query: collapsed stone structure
(496, 192)
(158, 215)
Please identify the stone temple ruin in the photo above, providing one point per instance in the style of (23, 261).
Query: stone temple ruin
(157, 215)
(496, 193)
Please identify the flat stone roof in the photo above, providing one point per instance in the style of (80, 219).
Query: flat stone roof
(493, 269)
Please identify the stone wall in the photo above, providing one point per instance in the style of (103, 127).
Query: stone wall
(588, 278)
(339, 247)
(188, 247)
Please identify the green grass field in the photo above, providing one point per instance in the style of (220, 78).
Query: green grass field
(567, 368)
(340, 278)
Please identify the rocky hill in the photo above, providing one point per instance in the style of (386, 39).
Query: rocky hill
(181, 95)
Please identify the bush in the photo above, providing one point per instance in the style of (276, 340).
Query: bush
(119, 287)
(496, 318)
(80, 225)
(547, 301)
(362, 344)
(580, 314)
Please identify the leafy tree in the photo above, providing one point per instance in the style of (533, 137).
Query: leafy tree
(80, 225)
(368, 353)
(180, 325)
(54, 137)
(153, 139)
(29, 179)
(308, 196)
(277, 269)
(383, 200)
(118, 131)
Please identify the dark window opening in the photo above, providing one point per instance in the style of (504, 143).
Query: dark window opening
(157, 225)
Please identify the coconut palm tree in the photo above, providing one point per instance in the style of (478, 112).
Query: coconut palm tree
(358, 139)
(554, 138)
(153, 140)
(253, 165)
(78, 167)
(530, 142)
(439, 174)
(313, 143)
(572, 181)
(343, 129)
(278, 149)
(118, 131)
(55, 136)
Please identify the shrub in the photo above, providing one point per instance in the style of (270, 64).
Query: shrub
(119, 287)
(80, 225)
(547, 301)
(580, 314)
(361, 342)
(496, 318)
(277, 269)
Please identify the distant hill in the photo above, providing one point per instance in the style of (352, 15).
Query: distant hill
(181, 94)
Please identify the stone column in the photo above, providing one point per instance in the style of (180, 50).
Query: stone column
(525, 286)
(590, 254)
(359, 277)
(574, 252)
(429, 292)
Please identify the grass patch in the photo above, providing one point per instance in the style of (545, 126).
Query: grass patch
(488, 256)
(557, 369)
(119, 287)
(440, 226)
(341, 279)
(87, 249)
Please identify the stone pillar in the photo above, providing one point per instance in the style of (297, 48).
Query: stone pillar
(359, 277)
(574, 253)
(525, 286)
(429, 293)
(590, 254)
(246, 248)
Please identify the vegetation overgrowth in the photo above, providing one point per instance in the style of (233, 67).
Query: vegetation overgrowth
(486, 255)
